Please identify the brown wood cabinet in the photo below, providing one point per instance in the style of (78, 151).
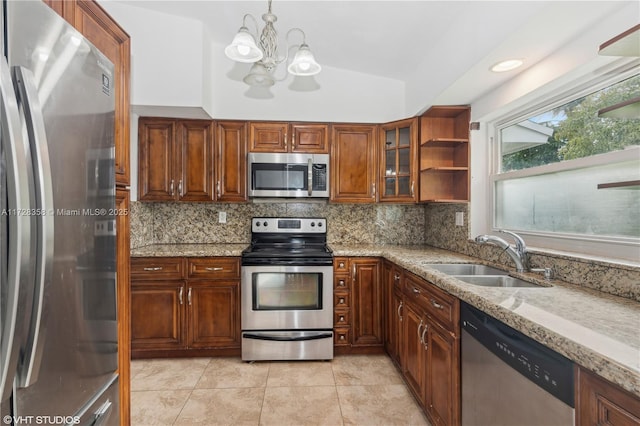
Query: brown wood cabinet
(353, 163)
(444, 154)
(175, 159)
(393, 309)
(194, 303)
(358, 315)
(231, 161)
(288, 137)
(599, 402)
(439, 337)
(398, 180)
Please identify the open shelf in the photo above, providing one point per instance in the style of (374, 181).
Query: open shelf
(627, 109)
(630, 184)
(625, 44)
(444, 141)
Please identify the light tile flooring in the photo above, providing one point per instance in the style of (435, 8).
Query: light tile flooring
(350, 390)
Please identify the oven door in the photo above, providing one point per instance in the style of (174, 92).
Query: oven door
(287, 297)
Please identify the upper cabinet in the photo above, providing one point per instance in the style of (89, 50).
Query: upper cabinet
(288, 137)
(231, 161)
(353, 163)
(625, 44)
(398, 161)
(444, 154)
(98, 27)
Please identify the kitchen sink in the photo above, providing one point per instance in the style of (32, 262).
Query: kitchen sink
(456, 269)
(497, 281)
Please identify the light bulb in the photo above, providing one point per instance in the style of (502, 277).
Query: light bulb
(304, 66)
(243, 50)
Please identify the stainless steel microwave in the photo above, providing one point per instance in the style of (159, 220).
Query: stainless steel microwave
(288, 175)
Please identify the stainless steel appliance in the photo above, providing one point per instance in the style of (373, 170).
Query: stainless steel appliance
(57, 193)
(510, 379)
(288, 175)
(287, 291)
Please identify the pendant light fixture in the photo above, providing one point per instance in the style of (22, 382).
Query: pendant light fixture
(264, 55)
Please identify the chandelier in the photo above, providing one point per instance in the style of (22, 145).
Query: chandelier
(264, 56)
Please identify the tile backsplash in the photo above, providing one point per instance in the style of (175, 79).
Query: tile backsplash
(430, 224)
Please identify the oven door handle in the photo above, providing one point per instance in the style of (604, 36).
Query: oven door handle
(287, 338)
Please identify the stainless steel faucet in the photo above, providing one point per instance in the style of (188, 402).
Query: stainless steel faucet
(518, 254)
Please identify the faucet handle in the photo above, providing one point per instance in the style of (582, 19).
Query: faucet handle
(521, 247)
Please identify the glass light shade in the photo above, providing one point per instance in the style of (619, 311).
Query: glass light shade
(304, 63)
(243, 48)
(259, 76)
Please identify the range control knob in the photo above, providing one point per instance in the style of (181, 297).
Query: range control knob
(320, 224)
(313, 224)
(257, 223)
(265, 223)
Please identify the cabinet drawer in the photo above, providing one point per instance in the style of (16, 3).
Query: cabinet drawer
(341, 282)
(341, 318)
(341, 264)
(341, 299)
(342, 336)
(157, 268)
(439, 305)
(214, 267)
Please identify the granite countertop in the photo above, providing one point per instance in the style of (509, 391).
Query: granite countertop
(594, 329)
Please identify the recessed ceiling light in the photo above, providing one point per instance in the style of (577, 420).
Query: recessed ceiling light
(508, 65)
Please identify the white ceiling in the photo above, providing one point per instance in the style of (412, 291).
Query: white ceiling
(397, 39)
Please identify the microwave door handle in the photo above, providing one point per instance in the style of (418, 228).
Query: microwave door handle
(310, 177)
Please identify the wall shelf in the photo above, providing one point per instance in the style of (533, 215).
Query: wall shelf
(630, 184)
(625, 44)
(627, 109)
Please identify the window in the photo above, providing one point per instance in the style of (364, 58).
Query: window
(566, 172)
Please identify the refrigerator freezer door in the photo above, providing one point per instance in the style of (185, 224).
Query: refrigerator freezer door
(78, 337)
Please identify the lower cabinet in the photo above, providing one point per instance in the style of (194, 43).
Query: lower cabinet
(185, 306)
(599, 402)
(358, 307)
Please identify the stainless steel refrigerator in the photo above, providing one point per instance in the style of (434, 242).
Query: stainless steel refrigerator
(57, 226)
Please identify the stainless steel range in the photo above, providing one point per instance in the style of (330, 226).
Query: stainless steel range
(287, 291)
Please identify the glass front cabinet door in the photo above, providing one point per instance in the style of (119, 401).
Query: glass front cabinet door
(398, 161)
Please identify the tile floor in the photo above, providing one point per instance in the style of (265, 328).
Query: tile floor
(350, 390)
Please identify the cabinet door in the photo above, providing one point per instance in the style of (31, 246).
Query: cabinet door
(398, 161)
(599, 402)
(194, 146)
(413, 352)
(367, 302)
(231, 170)
(157, 315)
(156, 181)
(312, 138)
(353, 163)
(101, 30)
(214, 314)
(442, 382)
(268, 137)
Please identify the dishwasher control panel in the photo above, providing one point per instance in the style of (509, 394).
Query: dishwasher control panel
(541, 365)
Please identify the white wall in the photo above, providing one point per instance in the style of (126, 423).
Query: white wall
(576, 62)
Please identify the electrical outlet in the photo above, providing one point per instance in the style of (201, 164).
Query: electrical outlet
(222, 217)
(459, 218)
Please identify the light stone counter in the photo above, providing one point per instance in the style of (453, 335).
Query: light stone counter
(189, 250)
(596, 330)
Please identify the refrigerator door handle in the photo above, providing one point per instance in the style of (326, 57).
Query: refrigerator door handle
(20, 229)
(101, 416)
(44, 216)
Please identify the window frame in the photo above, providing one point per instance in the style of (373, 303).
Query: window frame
(620, 248)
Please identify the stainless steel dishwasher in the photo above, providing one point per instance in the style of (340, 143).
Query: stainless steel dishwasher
(509, 379)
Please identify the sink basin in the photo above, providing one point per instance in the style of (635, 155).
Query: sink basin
(465, 269)
(497, 281)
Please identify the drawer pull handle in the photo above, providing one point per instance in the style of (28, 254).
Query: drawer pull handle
(341, 265)
(420, 334)
(209, 268)
(342, 337)
(341, 300)
(399, 309)
(341, 283)
(436, 304)
(396, 277)
(180, 295)
(416, 291)
(341, 318)
(189, 296)
(155, 268)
